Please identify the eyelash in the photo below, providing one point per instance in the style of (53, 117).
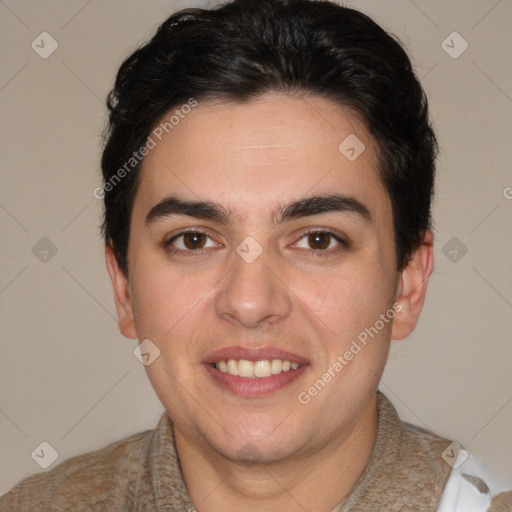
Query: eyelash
(316, 252)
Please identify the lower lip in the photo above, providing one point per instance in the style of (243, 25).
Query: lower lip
(256, 386)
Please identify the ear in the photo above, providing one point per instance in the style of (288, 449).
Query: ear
(412, 288)
(122, 294)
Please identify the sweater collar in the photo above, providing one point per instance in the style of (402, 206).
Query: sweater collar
(169, 488)
(381, 474)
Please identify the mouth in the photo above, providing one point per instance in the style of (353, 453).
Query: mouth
(254, 372)
(255, 369)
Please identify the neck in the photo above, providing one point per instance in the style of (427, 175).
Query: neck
(315, 480)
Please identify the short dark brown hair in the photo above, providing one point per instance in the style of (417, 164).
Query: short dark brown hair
(245, 48)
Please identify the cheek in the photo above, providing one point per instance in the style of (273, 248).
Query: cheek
(165, 298)
(347, 300)
(169, 312)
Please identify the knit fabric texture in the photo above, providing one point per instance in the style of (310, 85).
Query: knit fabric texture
(142, 473)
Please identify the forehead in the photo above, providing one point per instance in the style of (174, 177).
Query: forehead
(258, 155)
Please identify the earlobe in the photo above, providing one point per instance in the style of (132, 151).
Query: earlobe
(412, 287)
(122, 294)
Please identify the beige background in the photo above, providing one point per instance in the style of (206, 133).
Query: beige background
(69, 378)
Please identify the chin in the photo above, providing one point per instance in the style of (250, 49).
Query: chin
(254, 452)
(250, 444)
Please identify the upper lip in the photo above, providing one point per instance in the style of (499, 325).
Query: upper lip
(252, 354)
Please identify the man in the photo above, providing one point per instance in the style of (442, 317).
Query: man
(268, 173)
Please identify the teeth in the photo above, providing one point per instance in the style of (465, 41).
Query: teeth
(232, 368)
(263, 368)
(245, 368)
(276, 366)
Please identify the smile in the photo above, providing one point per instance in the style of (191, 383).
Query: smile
(255, 369)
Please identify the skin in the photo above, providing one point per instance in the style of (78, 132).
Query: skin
(251, 158)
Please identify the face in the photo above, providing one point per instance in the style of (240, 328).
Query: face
(258, 247)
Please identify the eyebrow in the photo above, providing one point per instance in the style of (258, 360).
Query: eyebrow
(303, 207)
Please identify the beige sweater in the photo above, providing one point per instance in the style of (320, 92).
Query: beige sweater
(142, 473)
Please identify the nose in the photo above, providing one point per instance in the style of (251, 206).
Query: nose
(253, 293)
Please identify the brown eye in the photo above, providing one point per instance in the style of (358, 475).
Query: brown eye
(319, 240)
(194, 240)
(322, 242)
(190, 241)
